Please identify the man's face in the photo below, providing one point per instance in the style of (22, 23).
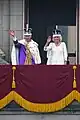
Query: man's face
(27, 38)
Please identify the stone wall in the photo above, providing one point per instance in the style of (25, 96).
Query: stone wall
(11, 17)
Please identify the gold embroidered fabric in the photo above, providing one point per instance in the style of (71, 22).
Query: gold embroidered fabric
(28, 60)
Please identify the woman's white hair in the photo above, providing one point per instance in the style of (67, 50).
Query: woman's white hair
(57, 35)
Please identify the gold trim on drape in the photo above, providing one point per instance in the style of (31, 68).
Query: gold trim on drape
(6, 100)
(37, 107)
(49, 107)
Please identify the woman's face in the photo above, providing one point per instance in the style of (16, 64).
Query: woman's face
(56, 39)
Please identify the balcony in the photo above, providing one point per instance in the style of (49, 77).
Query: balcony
(39, 89)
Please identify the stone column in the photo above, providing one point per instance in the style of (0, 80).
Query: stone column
(11, 18)
(16, 18)
(77, 32)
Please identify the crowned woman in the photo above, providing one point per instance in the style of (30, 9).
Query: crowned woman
(56, 50)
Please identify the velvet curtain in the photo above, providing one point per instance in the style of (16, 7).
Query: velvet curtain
(39, 88)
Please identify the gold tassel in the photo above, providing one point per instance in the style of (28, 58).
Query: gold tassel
(74, 81)
(13, 82)
(74, 84)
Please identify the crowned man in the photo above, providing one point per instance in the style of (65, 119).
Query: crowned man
(25, 51)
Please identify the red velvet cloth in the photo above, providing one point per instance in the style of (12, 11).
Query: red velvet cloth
(39, 83)
(5, 80)
(78, 78)
(44, 84)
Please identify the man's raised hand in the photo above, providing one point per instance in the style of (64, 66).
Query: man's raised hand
(12, 33)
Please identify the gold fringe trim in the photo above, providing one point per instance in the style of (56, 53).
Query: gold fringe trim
(50, 107)
(77, 96)
(6, 100)
(36, 107)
